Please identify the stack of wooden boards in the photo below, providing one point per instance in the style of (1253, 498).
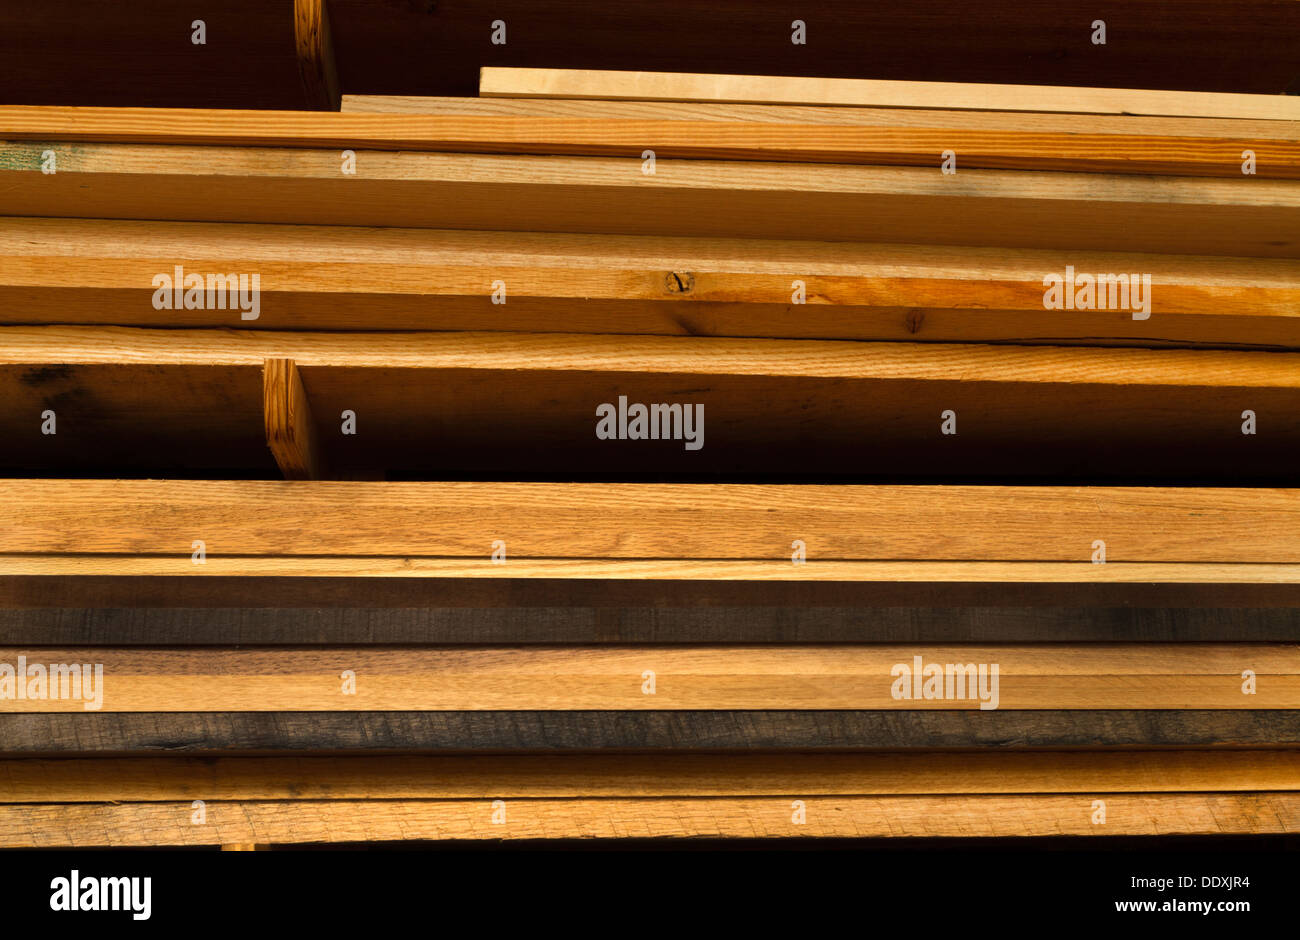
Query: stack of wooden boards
(946, 561)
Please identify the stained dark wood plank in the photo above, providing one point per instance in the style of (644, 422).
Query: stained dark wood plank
(182, 626)
(87, 591)
(634, 776)
(100, 733)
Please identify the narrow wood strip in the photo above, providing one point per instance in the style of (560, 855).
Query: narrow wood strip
(497, 81)
(664, 570)
(167, 779)
(290, 430)
(316, 71)
(720, 356)
(101, 271)
(862, 144)
(1151, 602)
(534, 625)
(162, 733)
(839, 114)
(1119, 676)
(908, 205)
(275, 822)
(636, 522)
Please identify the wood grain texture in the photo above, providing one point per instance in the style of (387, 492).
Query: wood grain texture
(623, 137)
(1146, 602)
(316, 68)
(435, 404)
(1073, 574)
(1104, 676)
(334, 278)
(215, 733)
(174, 779)
(800, 114)
(500, 82)
(532, 625)
(304, 822)
(290, 430)
(720, 356)
(909, 205)
(704, 522)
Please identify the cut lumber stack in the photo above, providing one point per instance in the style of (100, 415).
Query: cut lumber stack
(325, 518)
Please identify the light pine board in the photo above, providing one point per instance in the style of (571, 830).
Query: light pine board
(626, 137)
(496, 81)
(705, 522)
(101, 272)
(1023, 208)
(277, 822)
(1114, 676)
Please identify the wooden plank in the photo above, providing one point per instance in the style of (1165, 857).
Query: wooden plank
(337, 821)
(102, 272)
(800, 114)
(161, 733)
(475, 403)
(721, 356)
(316, 70)
(529, 625)
(1117, 676)
(1158, 611)
(907, 205)
(171, 779)
(699, 523)
(290, 431)
(630, 138)
(499, 82)
(384, 567)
